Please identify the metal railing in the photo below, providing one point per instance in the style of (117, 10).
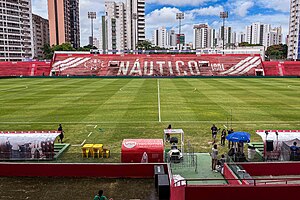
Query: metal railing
(187, 161)
(251, 181)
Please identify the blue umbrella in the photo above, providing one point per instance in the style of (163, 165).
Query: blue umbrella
(238, 137)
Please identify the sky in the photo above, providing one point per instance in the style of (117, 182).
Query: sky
(163, 13)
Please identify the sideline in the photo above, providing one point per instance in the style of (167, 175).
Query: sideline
(158, 99)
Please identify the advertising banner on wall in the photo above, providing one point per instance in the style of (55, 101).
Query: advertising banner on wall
(142, 151)
(27, 145)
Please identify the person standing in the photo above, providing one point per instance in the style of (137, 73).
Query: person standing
(61, 135)
(230, 144)
(214, 131)
(294, 151)
(223, 136)
(100, 196)
(214, 157)
(168, 134)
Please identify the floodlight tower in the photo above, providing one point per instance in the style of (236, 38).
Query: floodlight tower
(223, 15)
(92, 16)
(179, 17)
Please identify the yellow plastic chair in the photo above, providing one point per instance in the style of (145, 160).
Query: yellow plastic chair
(106, 153)
(86, 150)
(97, 149)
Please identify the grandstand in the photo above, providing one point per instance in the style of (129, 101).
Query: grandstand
(35, 68)
(153, 65)
(156, 65)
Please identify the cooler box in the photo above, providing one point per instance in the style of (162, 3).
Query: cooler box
(134, 151)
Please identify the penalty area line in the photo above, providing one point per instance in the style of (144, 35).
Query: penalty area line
(83, 142)
(90, 134)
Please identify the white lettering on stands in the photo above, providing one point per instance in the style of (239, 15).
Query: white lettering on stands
(160, 64)
(216, 67)
(166, 67)
(136, 69)
(123, 69)
(170, 68)
(195, 65)
(146, 69)
(177, 66)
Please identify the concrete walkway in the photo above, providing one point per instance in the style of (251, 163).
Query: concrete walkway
(203, 171)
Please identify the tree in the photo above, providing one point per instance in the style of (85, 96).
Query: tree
(144, 45)
(49, 51)
(87, 48)
(277, 51)
(246, 44)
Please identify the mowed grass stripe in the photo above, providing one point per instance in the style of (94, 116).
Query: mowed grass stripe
(19, 90)
(282, 91)
(144, 102)
(265, 100)
(173, 105)
(22, 102)
(234, 105)
(109, 108)
(246, 104)
(81, 101)
(41, 102)
(203, 104)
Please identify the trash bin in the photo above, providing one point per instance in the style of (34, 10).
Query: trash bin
(163, 187)
(158, 170)
(251, 153)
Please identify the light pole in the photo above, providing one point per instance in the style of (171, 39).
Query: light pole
(223, 15)
(92, 16)
(179, 17)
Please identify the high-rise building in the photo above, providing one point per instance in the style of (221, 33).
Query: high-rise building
(227, 36)
(233, 38)
(123, 25)
(201, 36)
(180, 41)
(64, 22)
(294, 31)
(263, 34)
(135, 17)
(172, 38)
(213, 38)
(16, 41)
(113, 28)
(241, 37)
(273, 37)
(161, 37)
(40, 35)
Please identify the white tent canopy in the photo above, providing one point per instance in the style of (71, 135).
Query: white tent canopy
(283, 135)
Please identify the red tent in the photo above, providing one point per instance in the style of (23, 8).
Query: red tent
(142, 150)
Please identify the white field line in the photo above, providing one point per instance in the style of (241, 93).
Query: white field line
(76, 145)
(90, 134)
(158, 99)
(89, 125)
(95, 126)
(143, 122)
(83, 142)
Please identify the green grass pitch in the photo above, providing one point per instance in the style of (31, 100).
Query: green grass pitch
(110, 110)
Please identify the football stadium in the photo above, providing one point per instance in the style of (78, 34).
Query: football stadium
(141, 126)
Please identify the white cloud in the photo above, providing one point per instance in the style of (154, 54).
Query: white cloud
(179, 2)
(166, 17)
(208, 11)
(280, 5)
(242, 8)
(40, 7)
